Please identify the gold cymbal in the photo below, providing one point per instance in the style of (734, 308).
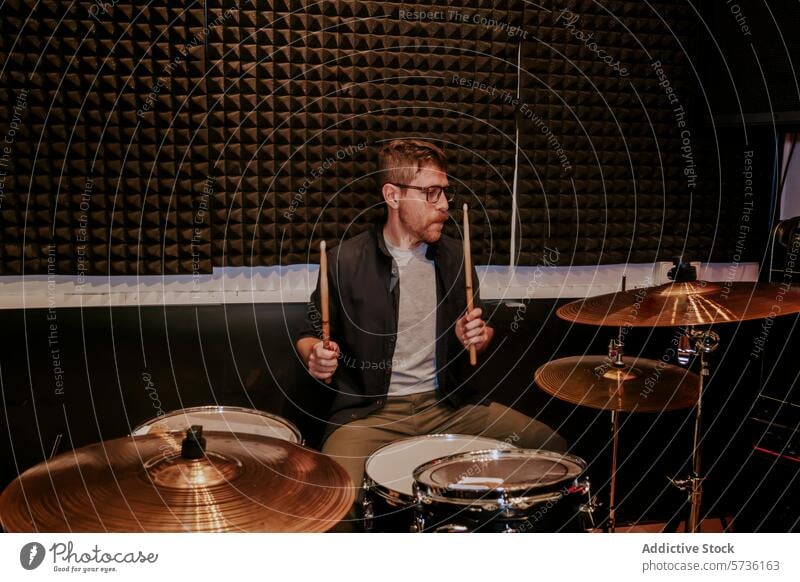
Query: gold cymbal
(642, 385)
(689, 303)
(245, 483)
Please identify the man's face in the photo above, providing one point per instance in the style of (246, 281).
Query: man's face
(421, 219)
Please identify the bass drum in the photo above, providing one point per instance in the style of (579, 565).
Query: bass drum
(388, 501)
(520, 490)
(223, 419)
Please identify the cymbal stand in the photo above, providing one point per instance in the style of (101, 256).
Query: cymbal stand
(612, 508)
(615, 347)
(615, 352)
(696, 342)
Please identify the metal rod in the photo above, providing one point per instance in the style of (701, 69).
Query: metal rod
(696, 482)
(612, 509)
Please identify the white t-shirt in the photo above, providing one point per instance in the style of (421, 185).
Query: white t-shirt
(414, 360)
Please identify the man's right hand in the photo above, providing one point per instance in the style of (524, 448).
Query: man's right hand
(322, 362)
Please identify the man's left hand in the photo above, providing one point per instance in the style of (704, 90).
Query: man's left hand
(472, 330)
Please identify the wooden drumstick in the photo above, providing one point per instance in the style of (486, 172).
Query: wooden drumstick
(323, 298)
(473, 354)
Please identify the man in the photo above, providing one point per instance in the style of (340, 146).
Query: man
(398, 356)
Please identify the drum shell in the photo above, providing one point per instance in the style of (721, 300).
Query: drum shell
(559, 511)
(538, 502)
(385, 510)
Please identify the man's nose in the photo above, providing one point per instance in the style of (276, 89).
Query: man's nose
(442, 203)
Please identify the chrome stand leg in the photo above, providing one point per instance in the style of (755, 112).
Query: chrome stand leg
(696, 481)
(702, 343)
(612, 507)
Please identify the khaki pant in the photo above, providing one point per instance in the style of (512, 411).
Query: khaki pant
(421, 414)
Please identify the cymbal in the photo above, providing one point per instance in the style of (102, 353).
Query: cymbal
(245, 483)
(688, 303)
(642, 385)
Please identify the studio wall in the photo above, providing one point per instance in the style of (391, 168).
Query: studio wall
(169, 139)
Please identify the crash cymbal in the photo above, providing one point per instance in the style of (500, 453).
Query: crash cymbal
(688, 303)
(642, 385)
(247, 483)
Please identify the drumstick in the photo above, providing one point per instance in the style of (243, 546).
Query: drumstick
(473, 354)
(323, 298)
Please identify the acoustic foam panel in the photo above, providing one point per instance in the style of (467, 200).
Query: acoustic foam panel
(639, 178)
(305, 93)
(110, 160)
(271, 133)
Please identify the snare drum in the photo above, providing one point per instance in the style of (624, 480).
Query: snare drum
(388, 503)
(223, 419)
(520, 490)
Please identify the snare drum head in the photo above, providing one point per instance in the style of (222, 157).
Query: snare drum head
(391, 467)
(518, 471)
(223, 419)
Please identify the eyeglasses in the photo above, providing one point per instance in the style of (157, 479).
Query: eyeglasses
(432, 193)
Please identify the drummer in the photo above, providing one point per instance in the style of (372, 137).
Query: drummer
(398, 357)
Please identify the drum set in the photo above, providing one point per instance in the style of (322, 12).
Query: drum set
(251, 473)
(218, 469)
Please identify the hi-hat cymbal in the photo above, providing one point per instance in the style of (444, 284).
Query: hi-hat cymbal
(689, 303)
(247, 483)
(642, 385)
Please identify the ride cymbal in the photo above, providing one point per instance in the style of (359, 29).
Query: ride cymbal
(242, 482)
(642, 385)
(688, 303)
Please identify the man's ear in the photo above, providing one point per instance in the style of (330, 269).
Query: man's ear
(390, 195)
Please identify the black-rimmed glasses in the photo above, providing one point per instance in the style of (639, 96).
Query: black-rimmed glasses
(432, 193)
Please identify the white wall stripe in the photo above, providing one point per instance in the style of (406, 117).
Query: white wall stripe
(294, 284)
